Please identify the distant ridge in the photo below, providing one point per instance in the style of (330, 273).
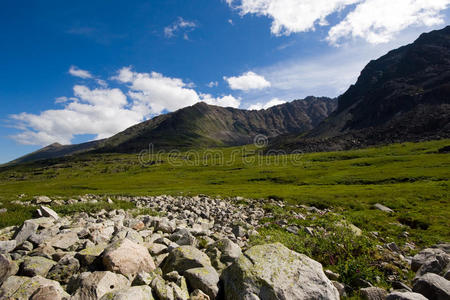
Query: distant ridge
(402, 96)
(202, 125)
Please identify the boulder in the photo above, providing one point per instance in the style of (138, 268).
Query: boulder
(273, 271)
(93, 286)
(36, 265)
(373, 293)
(433, 259)
(134, 293)
(47, 292)
(7, 246)
(183, 237)
(127, 258)
(25, 231)
(432, 286)
(223, 253)
(205, 279)
(162, 290)
(7, 268)
(184, 258)
(88, 255)
(18, 287)
(64, 269)
(64, 241)
(405, 296)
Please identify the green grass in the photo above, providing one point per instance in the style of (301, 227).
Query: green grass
(411, 178)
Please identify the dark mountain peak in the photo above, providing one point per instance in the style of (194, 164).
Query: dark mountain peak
(402, 96)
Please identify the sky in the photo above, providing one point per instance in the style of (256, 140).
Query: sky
(72, 72)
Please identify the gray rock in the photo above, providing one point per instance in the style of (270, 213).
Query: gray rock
(331, 275)
(166, 226)
(64, 241)
(3, 210)
(405, 296)
(48, 292)
(223, 253)
(25, 246)
(64, 269)
(183, 238)
(127, 258)
(205, 279)
(431, 257)
(25, 231)
(163, 291)
(157, 249)
(88, 255)
(7, 246)
(48, 212)
(373, 293)
(143, 278)
(340, 287)
(383, 208)
(432, 286)
(131, 293)
(42, 200)
(18, 287)
(36, 265)
(274, 272)
(199, 295)
(7, 268)
(93, 286)
(184, 258)
(238, 231)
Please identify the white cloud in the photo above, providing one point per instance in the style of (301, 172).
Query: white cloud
(292, 16)
(213, 84)
(225, 101)
(101, 112)
(75, 71)
(179, 25)
(259, 105)
(247, 81)
(376, 21)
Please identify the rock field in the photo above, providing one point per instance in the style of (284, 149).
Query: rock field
(192, 248)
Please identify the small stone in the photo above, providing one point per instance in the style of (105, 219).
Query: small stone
(340, 287)
(25, 231)
(48, 212)
(199, 295)
(42, 200)
(331, 275)
(373, 293)
(383, 208)
(7, 246)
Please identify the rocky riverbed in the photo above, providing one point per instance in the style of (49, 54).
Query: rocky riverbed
(181, 248)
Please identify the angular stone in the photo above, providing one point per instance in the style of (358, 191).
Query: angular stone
(7, 268)
(383, 208)
(46, 293)
(432, 286)
(157, 249)
(373, 293)
(64, 241)
(88, 255)
(131, 293)
(64, 269)
(163, 291)
(184, 258)
(25, 231)
(48, 212)
(223, 253)
(18, 287)
(405, 296)
(183, 238)
(93, 286)
(205, 279)
(7, 246)
(427, 256)
(36, 265)
(127, 258)
(42, 199)
(274, 272)
(199, 295)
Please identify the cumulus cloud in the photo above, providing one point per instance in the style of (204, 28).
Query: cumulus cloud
(104, 112)
(259, 105)
(75, 71)
(376, 21)
(101, 112)
(247, 81)
(180, 25)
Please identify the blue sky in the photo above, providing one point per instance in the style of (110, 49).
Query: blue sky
(74, 71)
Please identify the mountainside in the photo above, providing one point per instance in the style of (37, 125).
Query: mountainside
(203, 125)
(402, 96)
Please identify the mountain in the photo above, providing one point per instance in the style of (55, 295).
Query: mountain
(203, 125)
(402, 96)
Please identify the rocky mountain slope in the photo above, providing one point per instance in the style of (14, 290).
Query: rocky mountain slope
(203, 125)
(197, 248)
(402, 96)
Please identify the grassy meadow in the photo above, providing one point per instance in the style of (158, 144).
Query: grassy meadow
(410, 178)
